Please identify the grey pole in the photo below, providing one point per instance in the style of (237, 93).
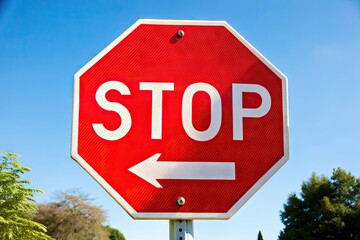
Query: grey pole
(181, 229)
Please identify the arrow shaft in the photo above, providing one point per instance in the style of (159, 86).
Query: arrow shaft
(195, 170)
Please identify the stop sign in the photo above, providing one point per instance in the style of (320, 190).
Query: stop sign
(180, 120)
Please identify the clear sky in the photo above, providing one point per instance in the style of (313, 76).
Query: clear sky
(316, 44)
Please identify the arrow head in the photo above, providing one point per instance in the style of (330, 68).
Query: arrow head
(147, 170)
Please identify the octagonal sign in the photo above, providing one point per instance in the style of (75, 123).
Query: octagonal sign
(180, 120)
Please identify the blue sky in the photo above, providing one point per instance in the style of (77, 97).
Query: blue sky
(316, 44)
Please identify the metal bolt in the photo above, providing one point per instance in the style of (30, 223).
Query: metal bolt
(181, 33)
(180, 201)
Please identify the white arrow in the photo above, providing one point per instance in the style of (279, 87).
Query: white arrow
(151, 170)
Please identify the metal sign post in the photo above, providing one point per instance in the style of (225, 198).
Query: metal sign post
(181, 229)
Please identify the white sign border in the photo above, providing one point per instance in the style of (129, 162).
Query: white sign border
(178, 215)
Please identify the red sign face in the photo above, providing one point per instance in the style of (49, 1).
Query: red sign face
(180, 120)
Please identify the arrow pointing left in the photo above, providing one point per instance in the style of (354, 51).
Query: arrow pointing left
(151, 170)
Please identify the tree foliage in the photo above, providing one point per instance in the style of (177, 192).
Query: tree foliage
(115, 234)
(72, 217)
(260, 237)
(17, 204)
(326, 209)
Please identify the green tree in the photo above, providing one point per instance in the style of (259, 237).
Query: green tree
(260, 237)
(73, 217)
(115, 234)
(17, 204)
(326, 209)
